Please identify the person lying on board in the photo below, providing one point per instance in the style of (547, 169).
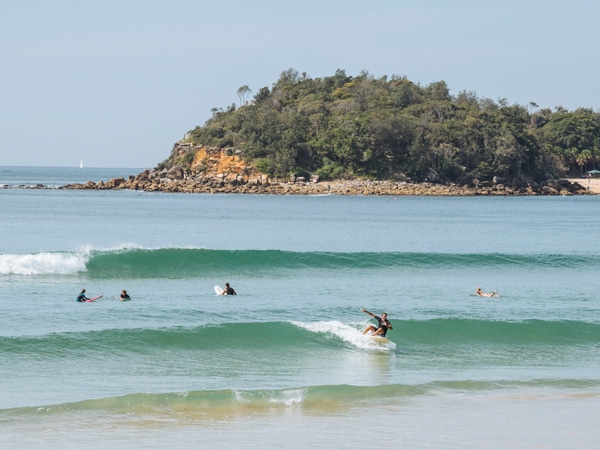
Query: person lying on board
(480, 293)
(382, 326)
(228, 290)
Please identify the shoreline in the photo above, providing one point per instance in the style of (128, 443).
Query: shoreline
(592, 185)
(151, 181)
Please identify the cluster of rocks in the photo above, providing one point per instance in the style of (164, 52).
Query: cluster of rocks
(177, 179)
(223, 170)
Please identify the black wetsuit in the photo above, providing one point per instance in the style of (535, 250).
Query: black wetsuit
(229, 290)
(382, 324)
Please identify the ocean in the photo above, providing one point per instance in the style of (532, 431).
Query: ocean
(283, 364)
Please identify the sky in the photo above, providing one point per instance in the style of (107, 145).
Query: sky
(115, 83)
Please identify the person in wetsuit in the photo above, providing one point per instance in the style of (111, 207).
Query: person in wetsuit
(81, 297)
(382, 326)
(124, 296)
(228, 290)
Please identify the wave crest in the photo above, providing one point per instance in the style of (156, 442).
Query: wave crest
(131, 260)
(43, 263)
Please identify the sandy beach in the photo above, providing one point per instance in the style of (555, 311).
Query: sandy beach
(591, 184)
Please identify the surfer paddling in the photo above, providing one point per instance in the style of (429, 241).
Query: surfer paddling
(480, 293)
(382, 326)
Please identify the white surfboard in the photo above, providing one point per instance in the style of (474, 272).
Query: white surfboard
(218, 290)
(380, 339)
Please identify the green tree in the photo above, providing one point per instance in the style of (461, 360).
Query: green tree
(341, 125)
(243, 92)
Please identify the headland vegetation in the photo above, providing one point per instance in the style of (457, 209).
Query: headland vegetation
(376, 136)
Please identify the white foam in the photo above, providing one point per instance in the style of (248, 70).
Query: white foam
(288, 397)
(56, 263)
(128, 246)
(348, 333)
(64, 263)
(117, 248)
(43, 263)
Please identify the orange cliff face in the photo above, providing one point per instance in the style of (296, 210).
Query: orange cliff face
(209, 165)
(213, 161)
(221, 161)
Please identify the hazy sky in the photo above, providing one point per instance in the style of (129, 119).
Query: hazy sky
(116, 83)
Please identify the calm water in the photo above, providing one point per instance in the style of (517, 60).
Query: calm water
(283, 364)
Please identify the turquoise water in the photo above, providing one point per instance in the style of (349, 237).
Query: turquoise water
(283, 364)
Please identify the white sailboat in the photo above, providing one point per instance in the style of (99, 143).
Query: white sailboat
(81, 164)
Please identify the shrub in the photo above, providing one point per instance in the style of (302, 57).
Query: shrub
(265, 165)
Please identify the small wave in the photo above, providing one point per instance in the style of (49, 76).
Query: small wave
(244, 336)
(305, 336)
(454, 331)
(247, 336)
(211, 404)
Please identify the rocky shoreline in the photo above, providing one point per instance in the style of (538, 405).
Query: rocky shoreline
(177, 180)
(217, 170)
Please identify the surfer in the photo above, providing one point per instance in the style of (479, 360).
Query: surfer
(81, 297)
(228, 290)
(382, 327)
(124, 296)
(480, 293)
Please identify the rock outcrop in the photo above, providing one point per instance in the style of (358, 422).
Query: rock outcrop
(222, 170)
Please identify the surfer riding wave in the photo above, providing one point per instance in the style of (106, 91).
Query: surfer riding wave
(382, 326)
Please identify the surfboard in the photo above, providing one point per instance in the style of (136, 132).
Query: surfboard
(94, 298)
(121, 300)
(380, 339)
(218, 290)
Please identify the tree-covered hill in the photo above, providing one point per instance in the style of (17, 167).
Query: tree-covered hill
(391, 128)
